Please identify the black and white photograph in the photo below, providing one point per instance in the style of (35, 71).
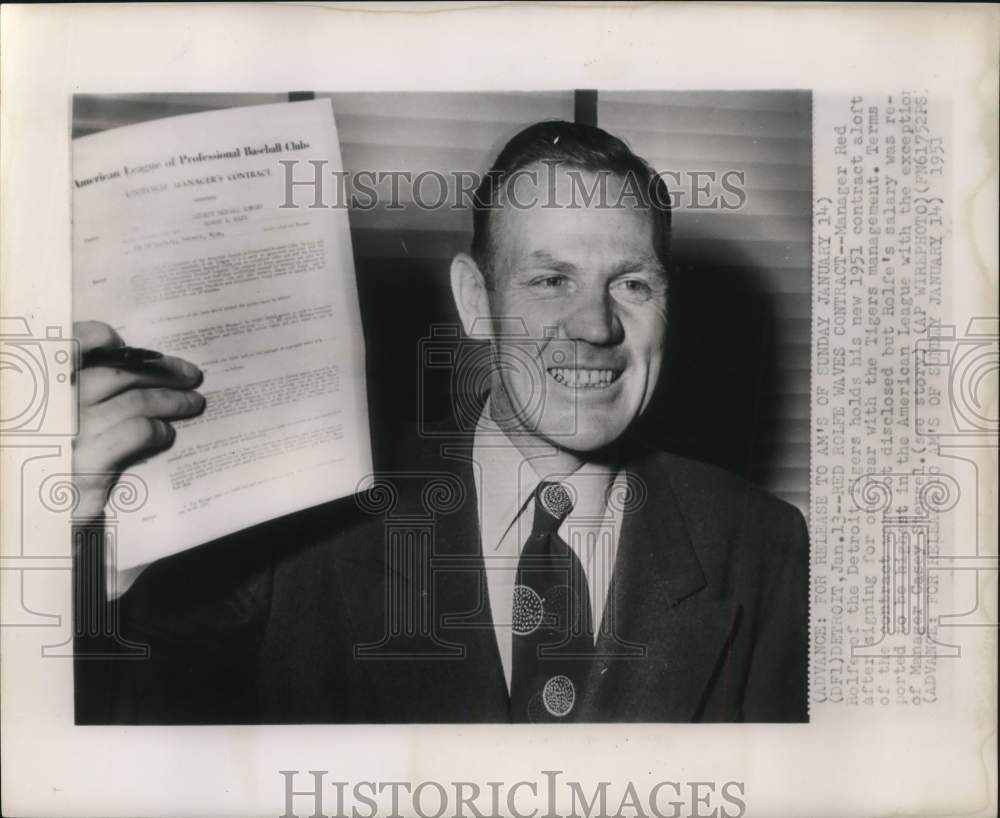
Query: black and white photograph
(480, 410)
(586, 395)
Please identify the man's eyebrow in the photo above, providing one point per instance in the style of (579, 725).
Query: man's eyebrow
(649, 264)
(545, 260)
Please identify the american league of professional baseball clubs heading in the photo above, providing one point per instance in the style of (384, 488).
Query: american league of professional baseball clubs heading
(453, 410)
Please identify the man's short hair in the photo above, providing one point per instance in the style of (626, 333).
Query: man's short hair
(569, 145)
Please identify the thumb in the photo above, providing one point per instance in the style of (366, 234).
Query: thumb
(95, 334)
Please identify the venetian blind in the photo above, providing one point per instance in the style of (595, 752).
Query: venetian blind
(403, 254)
(402, 251)
(737, 383)
(739, 392)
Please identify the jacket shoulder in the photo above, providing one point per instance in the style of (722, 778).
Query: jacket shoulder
(710, 492)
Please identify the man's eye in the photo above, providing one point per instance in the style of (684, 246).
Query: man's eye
(550, 282)
(634, 289)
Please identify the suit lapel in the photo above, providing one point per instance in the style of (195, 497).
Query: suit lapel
(447, 667)
(462, 600)
(664, 635)
(665, 631)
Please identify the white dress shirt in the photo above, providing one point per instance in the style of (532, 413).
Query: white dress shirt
(505, 479)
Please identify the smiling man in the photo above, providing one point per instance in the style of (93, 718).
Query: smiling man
(543, 566)
(592, 275)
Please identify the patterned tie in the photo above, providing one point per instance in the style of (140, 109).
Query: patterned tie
(552, 627)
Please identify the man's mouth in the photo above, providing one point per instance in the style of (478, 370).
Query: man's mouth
(582, 378)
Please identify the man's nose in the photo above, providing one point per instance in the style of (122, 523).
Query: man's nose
(593, 319)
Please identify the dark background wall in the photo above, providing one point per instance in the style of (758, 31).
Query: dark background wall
(736, 389)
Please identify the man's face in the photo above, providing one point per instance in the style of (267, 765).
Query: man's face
(587, 284)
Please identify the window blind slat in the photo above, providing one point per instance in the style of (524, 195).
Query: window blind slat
(754, 263)
(751, 103)
(737, 226)
(669, 117)
(725, 147)
(746, 298)
(513, 108)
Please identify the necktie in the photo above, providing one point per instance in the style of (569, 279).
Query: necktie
(552, 626)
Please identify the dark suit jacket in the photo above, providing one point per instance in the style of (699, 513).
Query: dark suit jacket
(376, 611)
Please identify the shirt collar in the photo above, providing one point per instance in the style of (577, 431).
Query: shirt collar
(506, 477)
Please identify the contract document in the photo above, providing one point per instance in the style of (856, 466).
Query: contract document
(188, 239)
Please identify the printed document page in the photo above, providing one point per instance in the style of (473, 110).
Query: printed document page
(181, 242)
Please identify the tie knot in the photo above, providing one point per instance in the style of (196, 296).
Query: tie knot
(553, 504)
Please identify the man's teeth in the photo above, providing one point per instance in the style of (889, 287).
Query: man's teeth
(584, 378)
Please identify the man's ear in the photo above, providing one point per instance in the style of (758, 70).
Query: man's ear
(468, 287)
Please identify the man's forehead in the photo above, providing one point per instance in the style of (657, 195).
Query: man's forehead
(539, 219)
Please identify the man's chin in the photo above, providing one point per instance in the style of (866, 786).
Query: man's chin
(585, 442)
(571, 427)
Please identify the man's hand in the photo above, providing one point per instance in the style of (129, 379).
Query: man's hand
(124, 414)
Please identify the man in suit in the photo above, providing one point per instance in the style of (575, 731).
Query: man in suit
(531, 561)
